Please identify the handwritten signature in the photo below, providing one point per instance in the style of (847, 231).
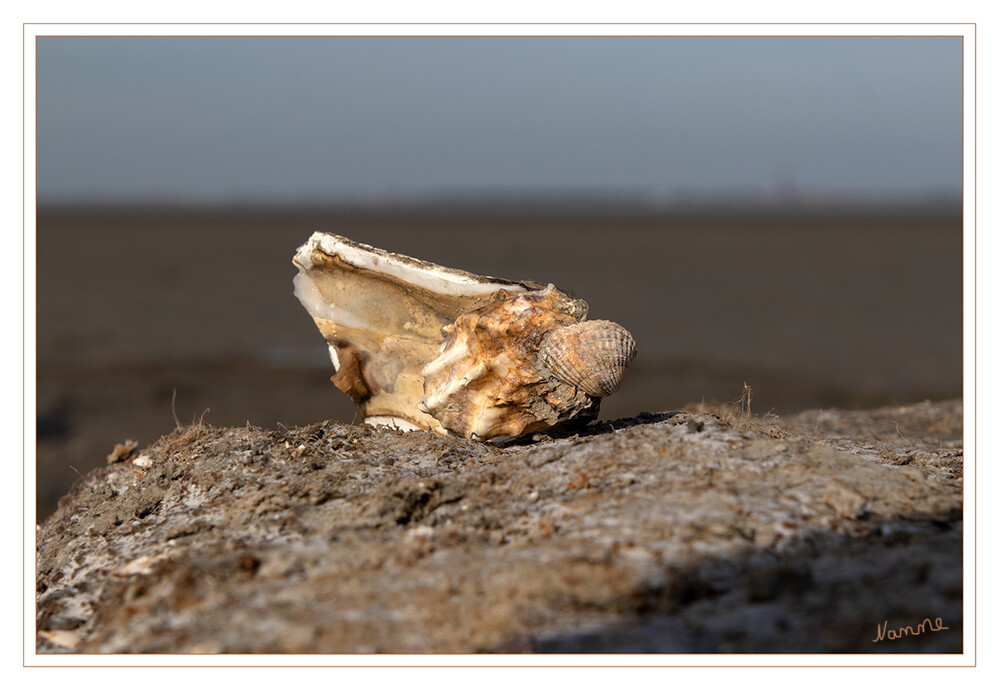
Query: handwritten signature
(935, 625)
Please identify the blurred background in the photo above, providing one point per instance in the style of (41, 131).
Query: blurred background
(779, 212)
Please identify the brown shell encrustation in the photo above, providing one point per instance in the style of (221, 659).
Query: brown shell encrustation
(488, 382)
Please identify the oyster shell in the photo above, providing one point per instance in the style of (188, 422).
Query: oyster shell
(421, 346)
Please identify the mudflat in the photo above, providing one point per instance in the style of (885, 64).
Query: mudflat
(146, 317)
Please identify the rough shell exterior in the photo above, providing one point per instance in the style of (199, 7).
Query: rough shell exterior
(487, 381)
(592, 355)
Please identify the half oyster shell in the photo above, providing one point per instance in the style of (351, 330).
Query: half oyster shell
(421, 346)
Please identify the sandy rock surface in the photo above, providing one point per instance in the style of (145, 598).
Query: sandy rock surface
(695, 531)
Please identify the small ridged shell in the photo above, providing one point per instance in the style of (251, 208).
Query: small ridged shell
(592, 355)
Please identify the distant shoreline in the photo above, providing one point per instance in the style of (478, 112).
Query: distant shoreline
(942, 204)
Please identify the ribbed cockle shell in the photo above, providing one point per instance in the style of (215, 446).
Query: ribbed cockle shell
(591, 355)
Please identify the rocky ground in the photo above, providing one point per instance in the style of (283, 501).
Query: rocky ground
(706, 530)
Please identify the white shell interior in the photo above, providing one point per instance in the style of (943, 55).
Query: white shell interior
(445, 281)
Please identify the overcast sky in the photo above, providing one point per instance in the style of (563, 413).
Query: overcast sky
(340, 119)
